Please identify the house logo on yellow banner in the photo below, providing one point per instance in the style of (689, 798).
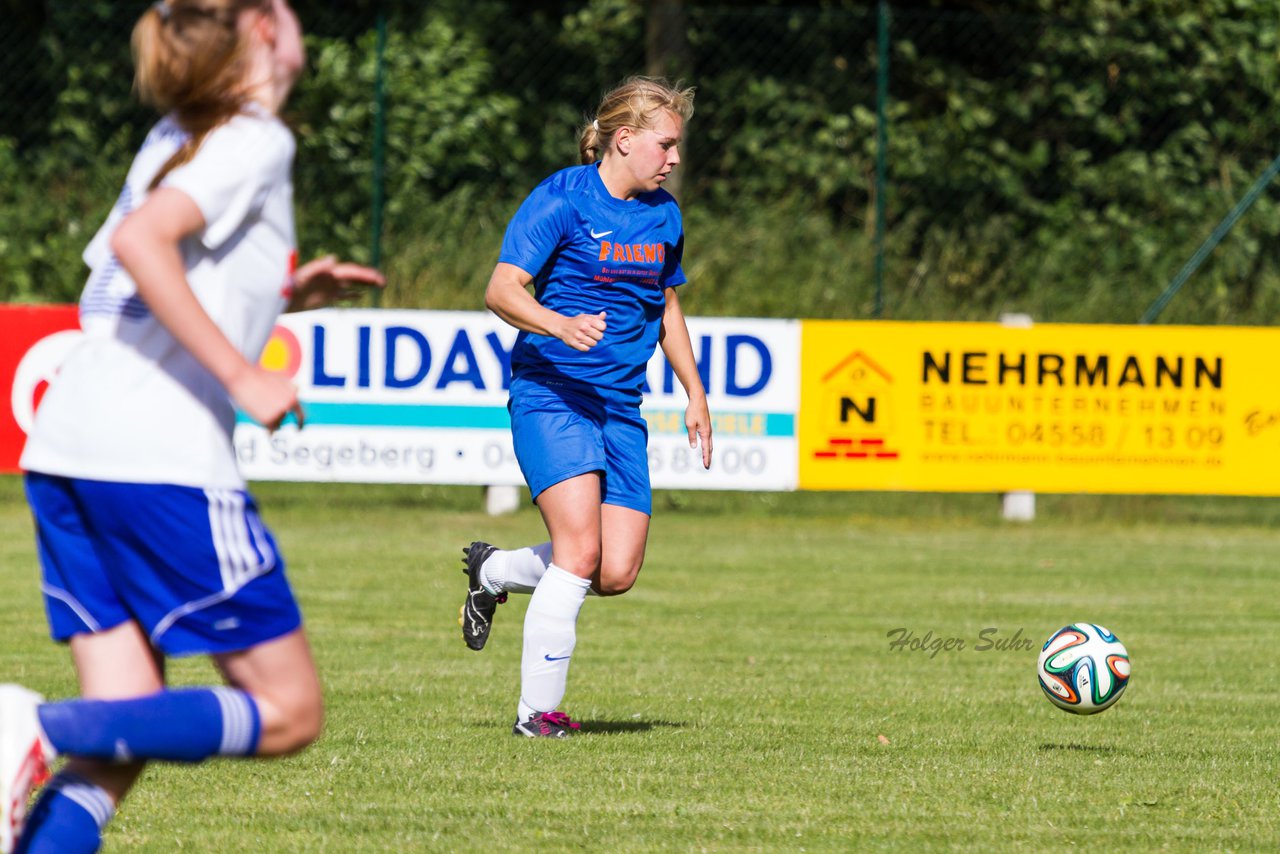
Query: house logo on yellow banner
(856, 411)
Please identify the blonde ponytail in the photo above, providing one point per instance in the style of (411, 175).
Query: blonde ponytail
(589, 149)
(189, 59)
(635, 103)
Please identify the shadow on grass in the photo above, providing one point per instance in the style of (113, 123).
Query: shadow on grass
(615, 727)
(1081, 748)
(600, 727)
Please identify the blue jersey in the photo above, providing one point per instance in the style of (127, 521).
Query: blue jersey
(589, 252)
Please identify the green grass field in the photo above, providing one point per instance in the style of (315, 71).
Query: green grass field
(744, 696)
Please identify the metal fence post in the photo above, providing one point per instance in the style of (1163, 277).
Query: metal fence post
(882, 146)
(1246, 202)
(379, 143)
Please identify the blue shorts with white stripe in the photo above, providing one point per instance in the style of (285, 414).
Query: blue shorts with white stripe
(195, 568)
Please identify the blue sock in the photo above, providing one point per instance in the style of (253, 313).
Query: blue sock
(187, 725)
(67, 819)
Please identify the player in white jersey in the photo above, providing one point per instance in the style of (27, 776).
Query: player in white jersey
(149, 544)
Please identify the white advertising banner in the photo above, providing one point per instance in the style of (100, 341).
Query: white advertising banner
(420, 397)
(751, 370)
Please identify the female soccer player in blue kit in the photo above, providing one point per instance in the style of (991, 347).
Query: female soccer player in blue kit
(149, 544)
(601, 243)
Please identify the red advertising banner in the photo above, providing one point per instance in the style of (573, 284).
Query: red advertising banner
(33, 341)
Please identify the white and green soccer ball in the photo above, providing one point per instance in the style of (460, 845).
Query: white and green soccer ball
(1083, 668)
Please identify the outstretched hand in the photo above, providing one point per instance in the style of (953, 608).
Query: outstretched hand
(327, 280)
(697, 420)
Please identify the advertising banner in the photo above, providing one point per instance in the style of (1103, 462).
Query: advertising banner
(977, 407)
(420, 397)
(33, 341)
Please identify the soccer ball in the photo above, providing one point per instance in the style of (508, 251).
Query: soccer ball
(1083, 668)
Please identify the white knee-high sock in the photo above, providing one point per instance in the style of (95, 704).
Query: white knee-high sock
(550, 632)
(517, 570)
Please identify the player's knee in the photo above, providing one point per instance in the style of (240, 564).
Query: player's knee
(298, 724)
(307, 725)
(617, 582)
(584, 562)
(615, 586)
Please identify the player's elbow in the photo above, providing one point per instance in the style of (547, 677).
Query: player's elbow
(491, 300)
(127, 242)
(495, 296)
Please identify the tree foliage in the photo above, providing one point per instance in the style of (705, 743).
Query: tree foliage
(1059, 157)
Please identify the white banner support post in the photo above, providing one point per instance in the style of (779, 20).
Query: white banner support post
(501, 500)
(1019, 505)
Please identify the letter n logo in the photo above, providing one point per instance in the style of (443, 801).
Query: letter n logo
(866, 410)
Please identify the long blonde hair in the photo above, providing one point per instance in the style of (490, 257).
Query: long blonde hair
(189, 59)
(635, 103)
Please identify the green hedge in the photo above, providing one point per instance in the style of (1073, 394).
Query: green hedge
(1062, 159)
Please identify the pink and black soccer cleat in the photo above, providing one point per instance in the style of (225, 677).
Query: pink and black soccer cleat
(547, 725)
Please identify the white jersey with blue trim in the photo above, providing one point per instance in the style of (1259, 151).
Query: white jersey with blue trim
(131, 404)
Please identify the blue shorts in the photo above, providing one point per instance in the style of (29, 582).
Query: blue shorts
(559, 433)
(195, 568)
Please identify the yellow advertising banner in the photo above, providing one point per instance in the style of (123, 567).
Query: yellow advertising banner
(981, 407)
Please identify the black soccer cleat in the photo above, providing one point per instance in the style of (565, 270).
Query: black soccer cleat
(546, 725)
(476, 614)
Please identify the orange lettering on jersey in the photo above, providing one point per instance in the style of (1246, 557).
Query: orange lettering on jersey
(604, 250)
(650, 253)
(662, 251)
(617, 253)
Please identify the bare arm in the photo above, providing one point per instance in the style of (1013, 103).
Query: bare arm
(679, 352)
(508, 297)
(146, 244)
